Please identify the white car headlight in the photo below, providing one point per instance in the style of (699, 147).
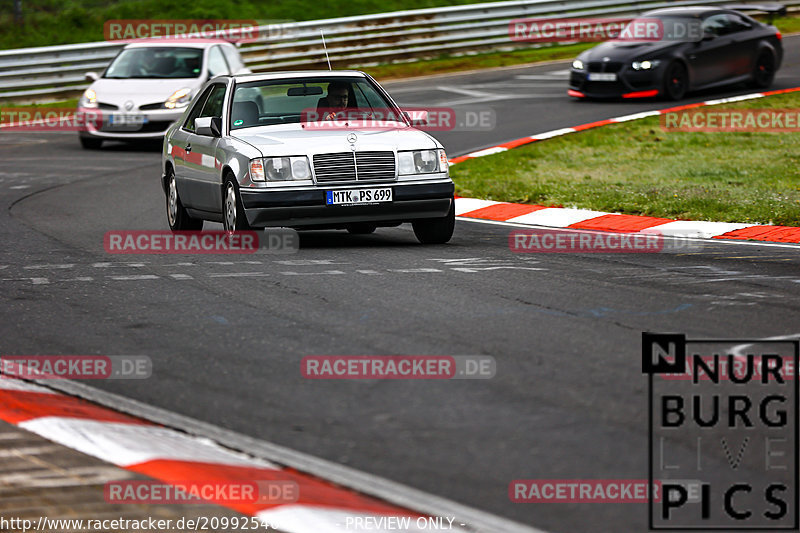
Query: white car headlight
(645, 65)
(418, 162)
(281, 169)
(179, 98)
(577, 64)
(89, 98)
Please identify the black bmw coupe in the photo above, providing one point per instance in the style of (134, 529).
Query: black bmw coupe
(691, 48)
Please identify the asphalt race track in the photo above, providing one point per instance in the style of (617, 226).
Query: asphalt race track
(227, 333)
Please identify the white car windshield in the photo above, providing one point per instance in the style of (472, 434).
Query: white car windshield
(287, 101)
(152, 62)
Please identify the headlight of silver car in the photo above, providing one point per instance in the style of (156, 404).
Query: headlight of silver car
(419, 162)
(280, 169)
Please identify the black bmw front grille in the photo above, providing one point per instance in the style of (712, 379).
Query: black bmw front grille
(605, 66)
(354, 166)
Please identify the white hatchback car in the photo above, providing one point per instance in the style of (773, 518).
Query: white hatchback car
(148, 84)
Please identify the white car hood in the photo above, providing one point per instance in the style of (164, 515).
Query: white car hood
(292, 139)
(140, 91)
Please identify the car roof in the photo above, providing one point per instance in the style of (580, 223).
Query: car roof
(290, 74)
(688, 10)
(176, 42)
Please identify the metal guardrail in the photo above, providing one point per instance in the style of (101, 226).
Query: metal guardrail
(54, 72)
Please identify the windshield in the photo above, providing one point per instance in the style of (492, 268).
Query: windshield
(297, 100)
(167, 62)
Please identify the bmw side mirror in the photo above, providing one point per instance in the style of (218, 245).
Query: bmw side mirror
(708, 36)
(208, 126)
(91, 76)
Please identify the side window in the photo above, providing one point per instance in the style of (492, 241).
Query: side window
(195, 112)
(213, 107)
(216, 62)
(738, 23)
(234, 60)
(717, 24)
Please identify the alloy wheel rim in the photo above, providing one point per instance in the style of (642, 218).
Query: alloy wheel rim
(172, 202)
(230, 208)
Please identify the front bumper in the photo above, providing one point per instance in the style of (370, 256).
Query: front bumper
(629, 84)
(307, 208)
(155, 125)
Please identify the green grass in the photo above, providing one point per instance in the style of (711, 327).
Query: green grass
(49, 22)
(637, 168)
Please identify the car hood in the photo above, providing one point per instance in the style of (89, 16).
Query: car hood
(628, 51)
(140, 91)
(293, 139)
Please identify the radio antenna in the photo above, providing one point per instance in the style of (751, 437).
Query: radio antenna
(326, 49)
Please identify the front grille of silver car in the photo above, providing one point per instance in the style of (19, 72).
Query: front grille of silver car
(354, 166)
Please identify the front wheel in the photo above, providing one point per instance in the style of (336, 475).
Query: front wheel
(764, 71)
(436, 230)
(178, 218)
(91, 144)
(361, 228)
(676, 81)
(233, 217)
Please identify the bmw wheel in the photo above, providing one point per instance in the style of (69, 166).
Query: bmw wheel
(764, 71)
(676, 81)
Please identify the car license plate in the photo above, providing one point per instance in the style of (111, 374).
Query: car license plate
(127, 120)
(602, 76)
(358, 196)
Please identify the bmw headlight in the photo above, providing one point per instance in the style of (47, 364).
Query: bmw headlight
(645, 65)
(89, 98)
(419, 162)
(577, 64)
(179, 98)
(280, 169)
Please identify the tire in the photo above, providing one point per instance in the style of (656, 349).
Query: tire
(177, 217)
(436, 230)
(362, 228)
(233, 217)
(676, 81)
(91, 144)
(764, 70)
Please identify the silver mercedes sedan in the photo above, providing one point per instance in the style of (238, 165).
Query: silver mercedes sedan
(305, 150)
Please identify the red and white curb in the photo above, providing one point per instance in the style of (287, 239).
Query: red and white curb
(559, 217)
(175, 456)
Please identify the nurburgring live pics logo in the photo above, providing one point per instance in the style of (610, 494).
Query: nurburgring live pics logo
(725, 415)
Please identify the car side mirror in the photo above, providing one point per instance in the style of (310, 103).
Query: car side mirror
(208, 126)
(708, 36)
(91, 76)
